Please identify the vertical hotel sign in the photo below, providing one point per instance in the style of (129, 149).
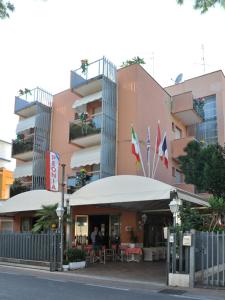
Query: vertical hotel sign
(52, 171)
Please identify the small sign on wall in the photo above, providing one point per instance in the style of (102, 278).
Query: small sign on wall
(187, 240)
(171, 238)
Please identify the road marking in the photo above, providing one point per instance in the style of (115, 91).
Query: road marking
(51, 279)
(190, 297)
(107, 287)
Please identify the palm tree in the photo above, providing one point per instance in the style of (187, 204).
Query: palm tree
(47, 218)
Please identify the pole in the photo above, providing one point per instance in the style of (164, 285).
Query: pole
(61, 221)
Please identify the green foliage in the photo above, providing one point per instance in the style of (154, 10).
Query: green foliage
(190, 218)
(204, 166)
(204, 5)
(75, 255)
(218, 213)
(47, 217)
(134, 60)
(133, 237)
(17, 187)
(6, 8)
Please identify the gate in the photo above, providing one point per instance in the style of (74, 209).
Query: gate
(31, 248)
(210, 258)
(196, 258)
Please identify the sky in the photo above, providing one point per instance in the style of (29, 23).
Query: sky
(44, 39)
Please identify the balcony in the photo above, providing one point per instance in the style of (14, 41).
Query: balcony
(89, 81)
(178, 146)
(73, 184)
(187, 110)
(86, 133)
(23, 148)
(26, 104)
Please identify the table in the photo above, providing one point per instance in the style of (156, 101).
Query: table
(133, 254)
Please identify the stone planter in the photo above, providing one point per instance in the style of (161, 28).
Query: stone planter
(65, 267)
(77, 265)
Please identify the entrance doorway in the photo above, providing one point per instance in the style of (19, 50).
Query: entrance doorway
(102, 222)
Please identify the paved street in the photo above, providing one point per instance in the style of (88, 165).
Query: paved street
(24, 284)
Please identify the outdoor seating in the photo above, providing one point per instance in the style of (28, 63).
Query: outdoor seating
(133, 254)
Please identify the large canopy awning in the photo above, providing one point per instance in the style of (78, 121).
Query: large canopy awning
(29, 201)
(84, 157)
(130, 191)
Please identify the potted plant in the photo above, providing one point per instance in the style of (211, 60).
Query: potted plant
(133, 239)
(76, 258)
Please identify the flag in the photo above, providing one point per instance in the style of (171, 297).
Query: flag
(158, 140)
(135, 145)
(163, 151)
(148, 145)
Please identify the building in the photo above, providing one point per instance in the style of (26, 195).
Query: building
(91, 130)
(6, 168)
(33, 137)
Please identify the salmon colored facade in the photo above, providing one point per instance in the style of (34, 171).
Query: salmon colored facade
(91, 129)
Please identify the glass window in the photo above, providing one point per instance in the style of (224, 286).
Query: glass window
(177, 133)
(178, 176)
(207, 130)
(81, 229)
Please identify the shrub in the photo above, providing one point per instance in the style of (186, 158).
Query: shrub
(75, 255)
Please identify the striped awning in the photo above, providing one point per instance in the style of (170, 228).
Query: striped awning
(25, 124)
(23, 170)
(90, 98)
(84, 157)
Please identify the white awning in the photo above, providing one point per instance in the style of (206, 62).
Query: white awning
(130, 191)
(84, 157)
(23, 170)
(25, 124)
(30, 201)
(87, 99)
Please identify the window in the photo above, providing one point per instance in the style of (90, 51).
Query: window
(207, 130)
(177, 133)
(7, 226)
(178, 176)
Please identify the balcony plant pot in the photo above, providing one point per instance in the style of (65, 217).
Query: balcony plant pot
(77, 265)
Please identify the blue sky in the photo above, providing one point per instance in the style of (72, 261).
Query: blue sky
(44, 40)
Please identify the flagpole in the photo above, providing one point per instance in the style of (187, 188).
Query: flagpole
(153, 164)
(149, 152)
(160, 146)
(141, 156)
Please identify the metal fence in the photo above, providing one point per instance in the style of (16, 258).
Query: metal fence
(210, 258)
(199, 254)
(29, 247)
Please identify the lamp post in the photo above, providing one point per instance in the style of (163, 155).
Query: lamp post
(60, 212)
(174, 208)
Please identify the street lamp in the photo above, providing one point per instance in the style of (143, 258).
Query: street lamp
(60, 212)
(174, 208)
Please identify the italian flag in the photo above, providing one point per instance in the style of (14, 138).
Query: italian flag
(135, 145)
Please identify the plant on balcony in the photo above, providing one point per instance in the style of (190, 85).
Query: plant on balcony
(24, 92)
(81, 178)
(134, 60)
(83, 118)
(17, 187)
(84, 66)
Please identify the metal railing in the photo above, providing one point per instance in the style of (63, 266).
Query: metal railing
(101, 67)
(31, 247)
(35, 95)
(22, 145)
(91, 126)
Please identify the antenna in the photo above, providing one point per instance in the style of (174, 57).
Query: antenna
(179, 78)
(153, 63)
(203, 57)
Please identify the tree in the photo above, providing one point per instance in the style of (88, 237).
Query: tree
(6, 8)
(47, 218)
(190, 218)
(204, 166)
(204, 5)
(134, 60)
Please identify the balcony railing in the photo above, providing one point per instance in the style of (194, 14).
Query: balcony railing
(22, 145)
(91, 126)
(97, 68)
(31, 97)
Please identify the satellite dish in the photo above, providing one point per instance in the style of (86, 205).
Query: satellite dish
(179, 78)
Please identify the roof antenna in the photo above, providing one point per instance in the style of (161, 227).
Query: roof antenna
(203, 57)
